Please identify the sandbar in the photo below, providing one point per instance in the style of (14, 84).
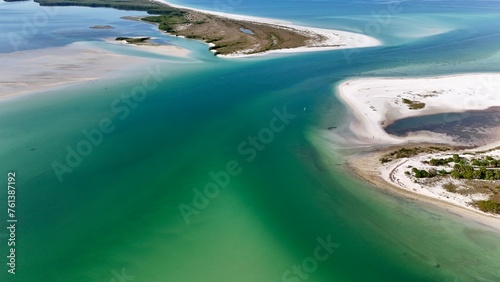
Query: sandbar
(44, 69)
(377, 102)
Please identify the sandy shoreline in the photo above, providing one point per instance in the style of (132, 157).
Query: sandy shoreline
(367, 167)
(341, 39)
(376, 102)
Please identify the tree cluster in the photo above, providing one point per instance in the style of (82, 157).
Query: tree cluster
(485, 169)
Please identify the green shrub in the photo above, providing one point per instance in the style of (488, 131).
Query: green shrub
(417, 106)
(488, 206)
(450, 187)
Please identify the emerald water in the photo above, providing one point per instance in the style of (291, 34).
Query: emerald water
(115, 213)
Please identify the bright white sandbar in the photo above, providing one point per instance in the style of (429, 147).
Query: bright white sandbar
(377, 102)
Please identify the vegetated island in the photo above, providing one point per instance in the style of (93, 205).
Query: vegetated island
(225, 35)
(144, 43)
(134, 40)
(101, 27)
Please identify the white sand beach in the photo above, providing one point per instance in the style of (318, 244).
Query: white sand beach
(376, 102)
(340, 39)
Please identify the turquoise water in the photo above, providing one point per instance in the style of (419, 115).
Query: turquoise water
(117, 211)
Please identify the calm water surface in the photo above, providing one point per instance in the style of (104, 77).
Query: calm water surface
(116, 210)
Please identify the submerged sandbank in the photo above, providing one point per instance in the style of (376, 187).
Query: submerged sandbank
(43, 69)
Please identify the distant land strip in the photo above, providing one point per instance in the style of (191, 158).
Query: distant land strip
(225, 36)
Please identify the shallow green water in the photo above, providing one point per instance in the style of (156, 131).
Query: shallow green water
(119, 207)
(117, 211)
